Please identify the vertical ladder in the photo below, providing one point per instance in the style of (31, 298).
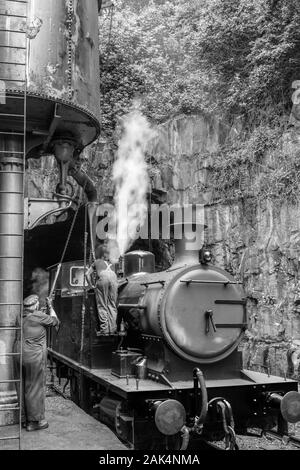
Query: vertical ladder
(13, 88)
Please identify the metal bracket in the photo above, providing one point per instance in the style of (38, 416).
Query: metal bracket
(53, 126)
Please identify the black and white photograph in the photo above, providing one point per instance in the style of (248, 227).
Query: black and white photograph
(150, 231)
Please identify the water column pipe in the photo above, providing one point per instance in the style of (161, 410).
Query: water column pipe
(64, 150)
(11, 267)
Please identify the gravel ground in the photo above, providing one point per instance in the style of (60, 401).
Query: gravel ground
(265, 443)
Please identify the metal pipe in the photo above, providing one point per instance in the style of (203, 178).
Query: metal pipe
(204, 405)
(64, 152)
(185, 434)
(11, 264)
(85, 182)
(187, 230)
(274, 400)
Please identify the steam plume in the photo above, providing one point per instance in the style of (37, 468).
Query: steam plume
(131, 181)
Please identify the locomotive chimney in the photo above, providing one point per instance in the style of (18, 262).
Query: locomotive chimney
(188, 235)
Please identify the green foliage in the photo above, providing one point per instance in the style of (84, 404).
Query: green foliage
(260, 166)
(253, 47)
(220, 57)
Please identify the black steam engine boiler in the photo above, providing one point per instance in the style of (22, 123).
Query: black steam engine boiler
(173, 376)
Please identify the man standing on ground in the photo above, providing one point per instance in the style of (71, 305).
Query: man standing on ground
(35, 324)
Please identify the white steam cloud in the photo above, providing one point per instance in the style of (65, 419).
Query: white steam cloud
(131, 180)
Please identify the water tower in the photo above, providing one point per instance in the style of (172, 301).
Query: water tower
(49, 104)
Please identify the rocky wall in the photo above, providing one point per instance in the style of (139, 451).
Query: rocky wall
(256, 240)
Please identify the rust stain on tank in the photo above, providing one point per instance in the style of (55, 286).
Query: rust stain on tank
(34, 28)
(55, 29)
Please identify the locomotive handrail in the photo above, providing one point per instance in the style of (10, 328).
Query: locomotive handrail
(132, 306)
(231, 325)
(146, 284)
(198, 281)
(230, 302)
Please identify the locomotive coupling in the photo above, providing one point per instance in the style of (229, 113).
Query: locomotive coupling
(289, 405)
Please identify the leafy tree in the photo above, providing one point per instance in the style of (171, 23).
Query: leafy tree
(217, 56)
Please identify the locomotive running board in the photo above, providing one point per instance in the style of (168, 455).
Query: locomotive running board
(247, 379)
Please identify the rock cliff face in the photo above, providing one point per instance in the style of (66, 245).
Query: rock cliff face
(256, 240)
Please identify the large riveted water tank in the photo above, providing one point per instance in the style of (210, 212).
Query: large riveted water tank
(63, 92)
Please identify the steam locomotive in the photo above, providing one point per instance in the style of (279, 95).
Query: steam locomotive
(172, 377)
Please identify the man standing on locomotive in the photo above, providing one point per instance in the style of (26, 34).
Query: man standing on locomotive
(106, 290)
(34, 363)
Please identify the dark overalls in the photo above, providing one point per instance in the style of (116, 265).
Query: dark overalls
(34, 363)
(106, 293)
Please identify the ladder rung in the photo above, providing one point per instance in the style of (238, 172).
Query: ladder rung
(12, 31)
(23, 48)
(18, 1)
(11, 280)
(11, 80)
(10, 152)
(10, 328)
(11, 192)
(10, 234)
(9, 438)
(10, 257)
(12, 133)
(12, 63)
(11, 213)
(11, 97)
(8, 304)
(12, 15)
(13, 381)
(9, 355)
(9, 409)
(11, 173)
(12, 115)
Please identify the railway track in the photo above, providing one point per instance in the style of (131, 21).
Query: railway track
(285, 438)
(269, 440)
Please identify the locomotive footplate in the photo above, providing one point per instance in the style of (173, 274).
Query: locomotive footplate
(255, 381)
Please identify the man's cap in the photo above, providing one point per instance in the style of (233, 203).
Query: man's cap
(31, 300)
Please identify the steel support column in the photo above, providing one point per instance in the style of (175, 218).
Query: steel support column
(11, 268)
